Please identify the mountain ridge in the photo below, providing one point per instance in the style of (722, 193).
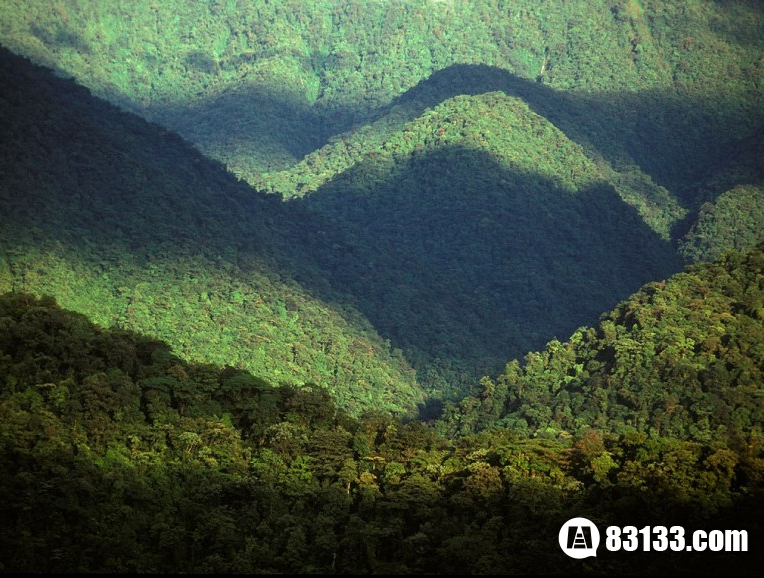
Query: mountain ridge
(257, 239)
(331, 64)
(527, 126)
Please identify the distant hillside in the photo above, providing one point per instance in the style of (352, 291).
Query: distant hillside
(599, 124)
(259, 85)
(128, 224)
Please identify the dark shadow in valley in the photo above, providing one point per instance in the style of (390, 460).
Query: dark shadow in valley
(459, 262)
(282, 130)
(740, 164)
(464, 264)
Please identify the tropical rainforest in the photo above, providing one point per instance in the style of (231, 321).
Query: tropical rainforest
(379, 286)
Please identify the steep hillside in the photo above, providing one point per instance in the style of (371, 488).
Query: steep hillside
(125, 222)
(682, 358)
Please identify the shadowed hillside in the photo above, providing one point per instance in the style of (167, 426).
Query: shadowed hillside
(459, 260)
(121, 220)
(459, 257)
(730, 207)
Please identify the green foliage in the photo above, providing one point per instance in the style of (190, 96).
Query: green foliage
(260, 85)
(123, 221)
(121, 457)
(732, 221)
(485, 199)
(342, 100)
(568, 140)
(465, 180)
(681, 359)
(465, 256)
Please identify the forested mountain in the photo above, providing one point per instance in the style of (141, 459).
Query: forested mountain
(665, 86)
(262, 264)
(586, 146)
(586, 143)
(489, 220)
(121, 457)
(125, 222)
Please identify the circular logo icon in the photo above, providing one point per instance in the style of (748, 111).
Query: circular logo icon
(579, 538)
